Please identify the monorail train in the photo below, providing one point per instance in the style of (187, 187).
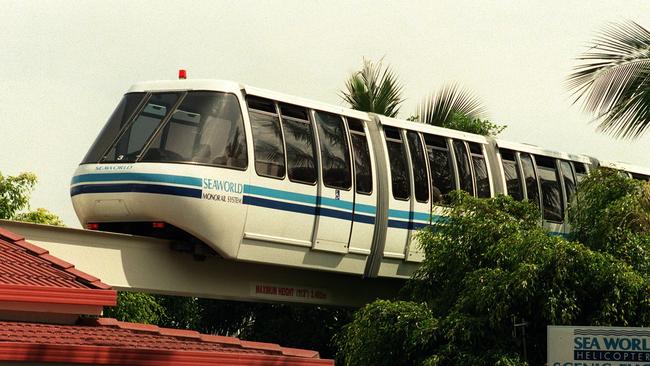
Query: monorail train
(265, 177)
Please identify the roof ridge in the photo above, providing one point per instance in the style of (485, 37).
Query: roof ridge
(56, 262)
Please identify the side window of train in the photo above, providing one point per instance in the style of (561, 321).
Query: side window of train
(334, 150)
(299, 138)
(443, 179)
(267, 137)
(553, 208)
(464, 167)
(512, 175)
(480, 170)
(581, 171)
(362, 166)
(569, 180)
(420, 178)
(398, 164)
(530, 178)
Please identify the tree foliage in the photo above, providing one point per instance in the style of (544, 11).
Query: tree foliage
(491, 265)
(613, 81)
(374, 89)
(15, 192)
(476, 125)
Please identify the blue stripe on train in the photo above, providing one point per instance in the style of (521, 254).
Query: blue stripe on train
(310, 210)
(145, 177)
(136, 187)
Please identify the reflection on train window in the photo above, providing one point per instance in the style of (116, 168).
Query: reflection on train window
(362, 166)
(443, 180)
(511, 172)
(300, 144)
(551, 192)
(581, 171)
(480, 170)
(116, 122)
(464, 168)
(420, 178)
(569, 180)
(267, 137)
(398, 165)
(207, 128)
(129, 146)
(334, 151)
(530, 177)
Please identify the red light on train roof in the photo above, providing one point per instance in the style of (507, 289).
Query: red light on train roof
(158, 225)
(92, 226)
(182, 74)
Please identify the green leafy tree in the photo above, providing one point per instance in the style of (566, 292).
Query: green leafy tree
(374, 89)
(137, 307)
(492, 265)
(613, 81)
(15, 192)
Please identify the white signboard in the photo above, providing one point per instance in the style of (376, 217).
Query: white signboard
(598, 346)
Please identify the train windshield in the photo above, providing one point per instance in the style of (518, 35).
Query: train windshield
(201, 127)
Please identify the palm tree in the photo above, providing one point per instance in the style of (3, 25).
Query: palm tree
(614, 80)
(374, 89)
(441, 106)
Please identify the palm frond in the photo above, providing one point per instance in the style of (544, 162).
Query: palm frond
(613, 80)
(440, 107)
(374, 89)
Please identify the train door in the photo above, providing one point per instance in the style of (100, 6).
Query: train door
(421, 216)
(282, 194)
(399, 212)
(365, 199)
(336, 198)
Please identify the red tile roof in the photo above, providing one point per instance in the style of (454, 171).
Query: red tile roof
(108, 341)
(30, 274)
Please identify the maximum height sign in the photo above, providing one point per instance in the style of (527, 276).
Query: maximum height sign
(598, 346)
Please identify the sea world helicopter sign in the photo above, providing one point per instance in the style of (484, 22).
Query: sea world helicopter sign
(598, 346)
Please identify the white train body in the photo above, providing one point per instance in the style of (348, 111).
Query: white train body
(265, 177)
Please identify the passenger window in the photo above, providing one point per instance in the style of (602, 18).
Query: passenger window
(581, 171)
(120, 117)
(398, 164)
(443, 180)
(530, 177)
(480, 170)
(569, 180)
(551, 192)
(335, 154)
(267, 137)
(207, 128)
(130, 144)
(511, 172)
(420, 178)
(464, 168)
(301, 162)
(362, 165)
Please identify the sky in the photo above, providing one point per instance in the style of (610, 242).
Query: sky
(64, 65)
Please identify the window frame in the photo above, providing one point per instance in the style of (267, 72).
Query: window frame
(284, 151)
(321, 173)
(406, 162)
(365, 136)
(425, 157)
(315, 155)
